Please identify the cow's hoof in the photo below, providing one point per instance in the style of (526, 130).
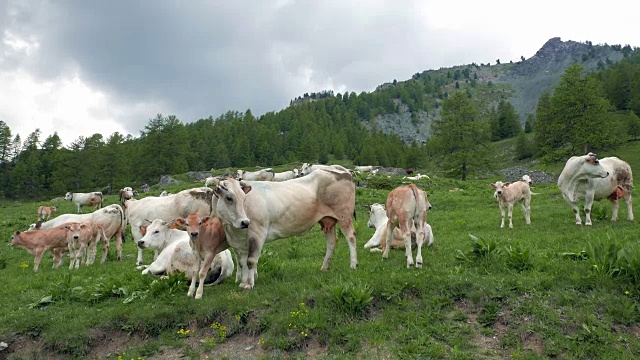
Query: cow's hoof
(418, 265)
(248, 287)
(119, 258)
(139, 263)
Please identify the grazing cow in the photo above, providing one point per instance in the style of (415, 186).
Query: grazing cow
(167, 208)
(126, 193)
(211, 180)
(286, 175)
(93, 199)
(260, 175)
(368, 168)
(307, 169)
(208, 241)
(378, 220)
(417, 177)
(37, 242)
(589, 178)
(111, 217)
(44, 212)
(176, 254)
(82, 239)
(508, 194)
(255, 212)
(406, 207)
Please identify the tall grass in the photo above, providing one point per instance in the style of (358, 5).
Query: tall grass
(512, 293)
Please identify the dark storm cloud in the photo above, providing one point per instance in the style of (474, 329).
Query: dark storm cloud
(202, 58)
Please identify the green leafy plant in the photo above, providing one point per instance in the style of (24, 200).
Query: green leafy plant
(480, 249)
(350, 298)
(517, 258)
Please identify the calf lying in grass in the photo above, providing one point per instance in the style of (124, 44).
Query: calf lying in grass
(508, 194)
(176, 254)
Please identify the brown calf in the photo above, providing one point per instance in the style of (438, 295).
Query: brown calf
(37, 242)
(82, 239)
(44, 212)
(406, 207)
(207, 239)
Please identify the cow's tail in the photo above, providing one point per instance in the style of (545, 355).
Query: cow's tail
(101, 198)
(123, 224)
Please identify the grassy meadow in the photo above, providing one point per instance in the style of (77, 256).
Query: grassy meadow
(551, 289)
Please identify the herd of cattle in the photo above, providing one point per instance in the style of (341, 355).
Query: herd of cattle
(192, 231)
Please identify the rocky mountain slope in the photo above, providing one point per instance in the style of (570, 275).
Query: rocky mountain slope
(520, 83)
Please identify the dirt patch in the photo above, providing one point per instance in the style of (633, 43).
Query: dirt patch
(533, 342)
(106, 344)
(29, 348)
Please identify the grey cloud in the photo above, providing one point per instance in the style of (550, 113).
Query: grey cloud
(203, 58)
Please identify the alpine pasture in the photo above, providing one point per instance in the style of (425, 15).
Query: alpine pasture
(549, 289)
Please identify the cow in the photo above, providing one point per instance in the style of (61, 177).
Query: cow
(378, 220)
(260, 175)
(211, 180)
(93, 199)
(589, 178)
(527, 179)
(508, 194)
(111, 217)
(37, 242)
(362, 169)
(307, 169)
(409, 171)
(126, 193)
(164, 193)
(255, 212)
(44, 212)
(406, 207)
(82, 239)
(417, 177)
(286, 175)
(208, 242)
(167, 208)
(176, 254)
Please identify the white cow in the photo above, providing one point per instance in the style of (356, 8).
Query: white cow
(286, 175)
(368, 168)
(164, 193)
(255, 212)
(85, 199)
(111, 218)
(527, 179)
(260, 175)
(176, 254)
(211, 180)
(586, 177)
(508, 194)
(406, 208)
(378, 220)
(307, 169)
(167, 208)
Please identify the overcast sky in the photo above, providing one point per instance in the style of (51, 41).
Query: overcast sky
(84, 67)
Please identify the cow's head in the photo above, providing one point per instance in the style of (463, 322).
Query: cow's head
(68, 196)
(590, 167)
(499, 186)
(527, 179)
(53, 209)
(239, 174)
(376, 213)
(74, 231)
(155, 234)
(230, 196)
(15, 239)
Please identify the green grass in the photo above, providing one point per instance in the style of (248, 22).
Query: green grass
(522, 299)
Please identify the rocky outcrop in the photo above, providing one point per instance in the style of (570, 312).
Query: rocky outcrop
(166, 180)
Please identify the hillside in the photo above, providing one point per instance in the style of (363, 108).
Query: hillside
(520, 83)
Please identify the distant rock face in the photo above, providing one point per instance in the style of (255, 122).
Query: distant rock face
(527, 79)
(198, 175)
(166, 180)
(514, 173)
(401, 123)
(540, 73)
